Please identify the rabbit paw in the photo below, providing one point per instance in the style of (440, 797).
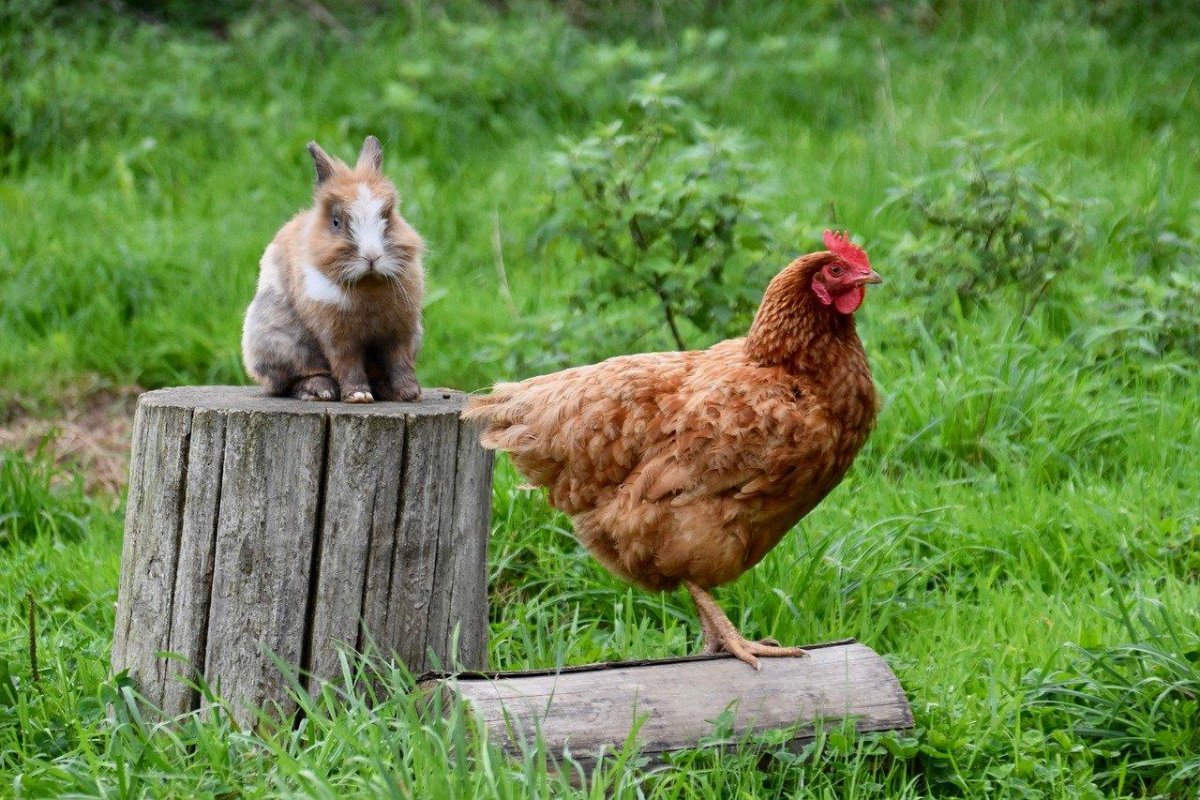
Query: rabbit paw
(316, 387)
(358, 396)
(406, 391)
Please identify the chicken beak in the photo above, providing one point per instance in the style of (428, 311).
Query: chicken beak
(871, 277)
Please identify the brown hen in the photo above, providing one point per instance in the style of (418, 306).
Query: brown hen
(687, 467)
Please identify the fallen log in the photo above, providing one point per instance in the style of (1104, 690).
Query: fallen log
(674, 704)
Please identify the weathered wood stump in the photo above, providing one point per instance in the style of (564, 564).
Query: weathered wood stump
(260, 527)
(592, 709)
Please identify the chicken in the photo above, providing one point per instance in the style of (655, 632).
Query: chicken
(688, 467)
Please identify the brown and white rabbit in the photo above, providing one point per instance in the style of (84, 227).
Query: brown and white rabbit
(338, 307)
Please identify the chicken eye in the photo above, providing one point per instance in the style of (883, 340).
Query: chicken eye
(836, 271)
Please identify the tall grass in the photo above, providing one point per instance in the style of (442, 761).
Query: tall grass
(1137, 703)
(38, 499)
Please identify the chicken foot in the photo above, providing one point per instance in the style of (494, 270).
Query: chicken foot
(712, 639)
(721, 634)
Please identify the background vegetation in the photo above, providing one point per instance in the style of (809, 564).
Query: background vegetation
(1021, 536)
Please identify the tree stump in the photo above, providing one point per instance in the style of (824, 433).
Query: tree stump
(261, 528)
(677, 704)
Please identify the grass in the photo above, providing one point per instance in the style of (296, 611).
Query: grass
(1021, 536)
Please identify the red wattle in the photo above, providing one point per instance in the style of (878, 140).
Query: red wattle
(848, 301)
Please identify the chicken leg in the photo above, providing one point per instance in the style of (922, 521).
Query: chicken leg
(720, 634)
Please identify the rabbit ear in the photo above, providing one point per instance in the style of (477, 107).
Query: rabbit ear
(321, 160)
(371, 156)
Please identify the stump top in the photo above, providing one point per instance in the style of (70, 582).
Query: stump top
(253, 399)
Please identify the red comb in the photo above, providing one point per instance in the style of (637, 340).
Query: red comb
(841, 246)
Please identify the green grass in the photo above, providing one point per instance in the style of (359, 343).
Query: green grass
(1021, 536)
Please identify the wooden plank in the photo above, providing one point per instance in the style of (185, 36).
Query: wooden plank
(362, 490)
(133, 503)
(465, 576)
(270, 502)
(426, 507)
(151, 547)
(376, 634)
(193, 575)
(593, 710)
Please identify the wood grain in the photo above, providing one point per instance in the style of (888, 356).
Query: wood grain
(270, 501)
(194, 573)
(261, 528)
(151, 547)
(592, 710)
(362, 489)
(416, 597)
(466, 577)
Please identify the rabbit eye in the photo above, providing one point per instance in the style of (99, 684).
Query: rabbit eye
(337, 223)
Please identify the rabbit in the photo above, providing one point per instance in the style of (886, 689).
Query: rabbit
(337, 313)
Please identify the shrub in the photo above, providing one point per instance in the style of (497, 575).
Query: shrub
(987, 226)
(657, 216)
(1142, 20)
(1155, 316)
(1149, 320)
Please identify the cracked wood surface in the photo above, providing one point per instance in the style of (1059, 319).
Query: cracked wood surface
(673, 705)
(263, 530)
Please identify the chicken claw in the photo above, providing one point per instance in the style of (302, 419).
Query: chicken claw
(721, 635)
